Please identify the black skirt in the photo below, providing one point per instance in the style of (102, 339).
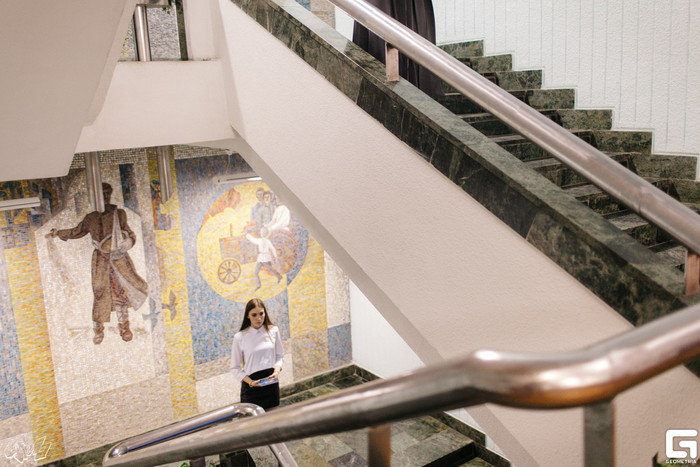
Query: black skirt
(266, 397)
(418, 16)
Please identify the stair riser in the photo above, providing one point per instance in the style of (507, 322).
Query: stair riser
(563, 176)
(606, 205)
(603, 204)
(492, 64)
(606, 141)
(464, 50)
(510, 80)
(569, 119)
(526, 150)
(541, 99)
(651, 236)
(517, 80)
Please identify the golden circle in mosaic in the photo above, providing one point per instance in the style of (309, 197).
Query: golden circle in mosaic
(226, 259)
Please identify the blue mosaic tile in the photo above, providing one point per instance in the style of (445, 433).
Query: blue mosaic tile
(129, 186)
(214, 319)
(13, 400)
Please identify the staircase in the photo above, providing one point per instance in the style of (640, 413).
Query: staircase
(632, 267)
(632, 149)
(437, 441)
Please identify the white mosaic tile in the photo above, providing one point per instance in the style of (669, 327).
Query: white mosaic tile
(115, 415)
(15, 426)
(218, 391)
(82, 368)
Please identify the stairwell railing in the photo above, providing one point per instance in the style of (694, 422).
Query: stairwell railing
(194, 424)
(678, 220)
(590, 377)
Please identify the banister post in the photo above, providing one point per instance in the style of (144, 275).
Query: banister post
(599, 434)
(392, 63)
(379, 438)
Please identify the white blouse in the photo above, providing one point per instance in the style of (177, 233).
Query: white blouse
(254, 350)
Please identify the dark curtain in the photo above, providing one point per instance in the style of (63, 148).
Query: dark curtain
(417, 15)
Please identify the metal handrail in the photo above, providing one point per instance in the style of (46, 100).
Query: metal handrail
(642, 197)
(591, 375)
(199, 422)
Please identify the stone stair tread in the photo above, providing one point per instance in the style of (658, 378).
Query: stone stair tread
(583, 190)
(675, 255)
(628, 221)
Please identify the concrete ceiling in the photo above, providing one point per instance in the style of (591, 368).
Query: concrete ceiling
(57, 61)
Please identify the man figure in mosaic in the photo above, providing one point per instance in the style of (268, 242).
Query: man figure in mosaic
(115, 283)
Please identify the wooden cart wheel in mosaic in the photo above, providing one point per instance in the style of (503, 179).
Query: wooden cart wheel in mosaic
(229, 271)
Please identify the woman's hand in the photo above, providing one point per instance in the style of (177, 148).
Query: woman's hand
(253, 384)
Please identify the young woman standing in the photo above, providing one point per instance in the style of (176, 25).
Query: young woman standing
(256, 357)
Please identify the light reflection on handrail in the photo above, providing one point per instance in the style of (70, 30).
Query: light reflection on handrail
(639, 195)
(591, 375)
(194, 424)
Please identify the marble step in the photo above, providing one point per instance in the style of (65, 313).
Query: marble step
(675, 255)
(464, 50)
(516, 80)
(603, 140)
(560, 174)
(603, 203)
(537, 98)
(490, 63)
(641, 230)
(499, 70)
(571, 119)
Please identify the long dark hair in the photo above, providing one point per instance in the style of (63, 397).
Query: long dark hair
(254, 303)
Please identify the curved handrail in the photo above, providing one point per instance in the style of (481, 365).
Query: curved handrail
(594, 374)
(642, 197)
(194, 424)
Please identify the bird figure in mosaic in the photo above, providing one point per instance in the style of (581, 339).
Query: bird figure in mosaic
(172, 306)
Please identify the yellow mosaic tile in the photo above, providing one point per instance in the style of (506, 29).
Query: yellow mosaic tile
(307, 294)
(35, 351)
(178, 336)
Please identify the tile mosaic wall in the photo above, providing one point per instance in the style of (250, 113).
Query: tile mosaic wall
(63, 394)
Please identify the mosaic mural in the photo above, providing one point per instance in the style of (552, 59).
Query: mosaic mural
(114, 324)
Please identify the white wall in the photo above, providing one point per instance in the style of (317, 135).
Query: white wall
(637, 57)
(376, 346)
(160, 103)
(444, 272)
